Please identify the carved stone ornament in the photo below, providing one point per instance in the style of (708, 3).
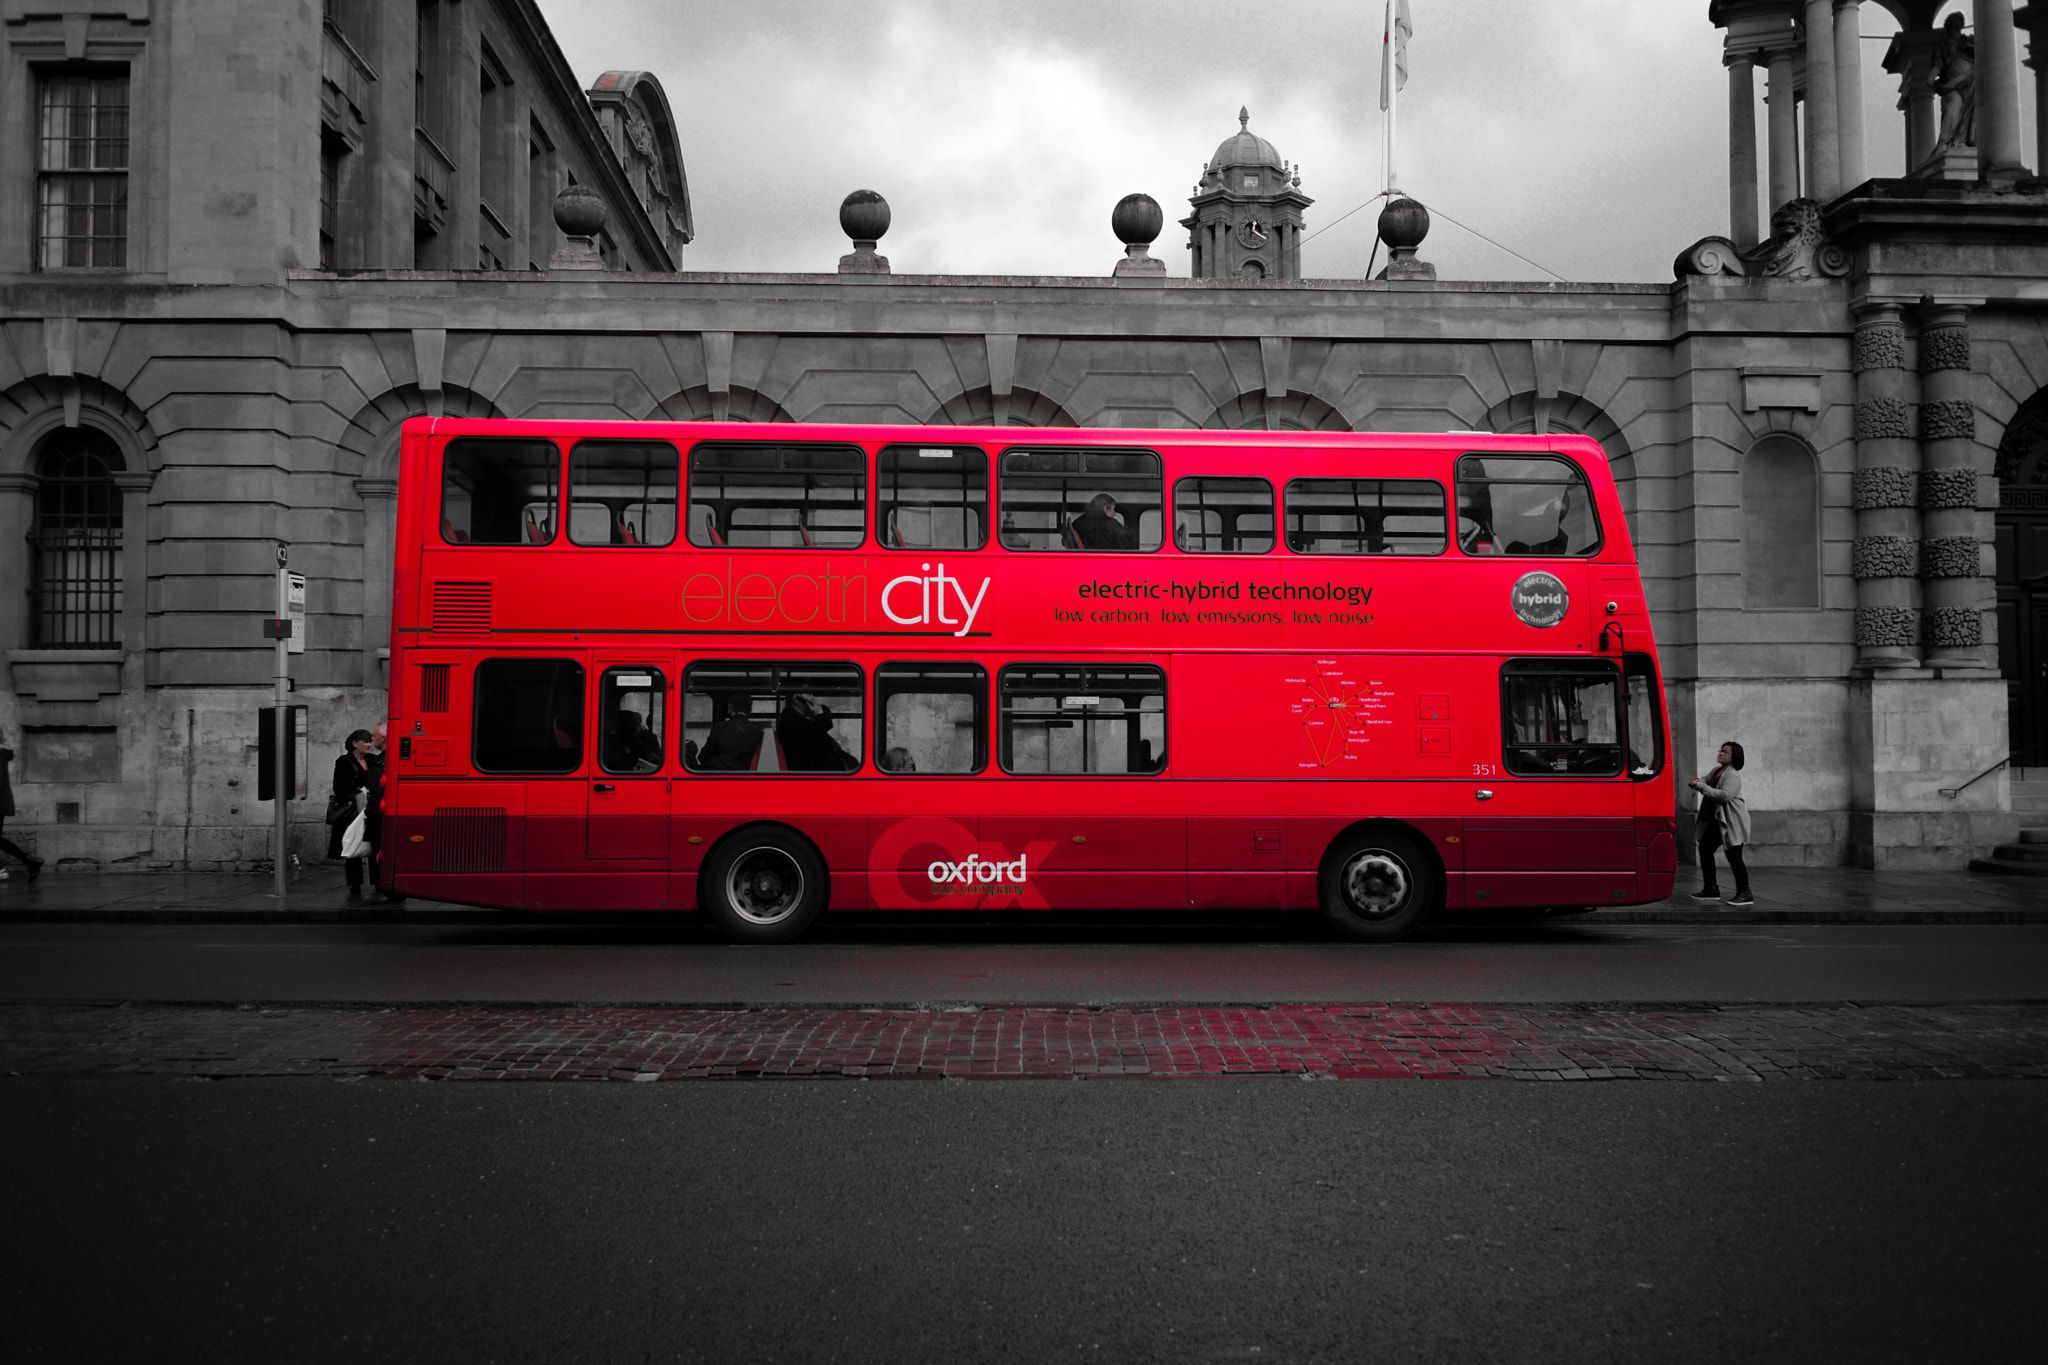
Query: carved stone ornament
(1948, 488)
(1882, 626)
(1882, 347)
(1948, 419)
(1884, 486)
(1711, 256)
(1954, 628)
(1798, 249)
(1884, 557)
(1949, 557)
(1883, 419)
(1945, 348)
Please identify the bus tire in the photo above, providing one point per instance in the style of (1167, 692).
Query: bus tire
(764, 885)
(1378, 884)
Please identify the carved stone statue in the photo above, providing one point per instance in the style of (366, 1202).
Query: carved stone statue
(1955, 80)
(1797, 249)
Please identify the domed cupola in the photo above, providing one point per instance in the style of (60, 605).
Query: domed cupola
(1248, 212)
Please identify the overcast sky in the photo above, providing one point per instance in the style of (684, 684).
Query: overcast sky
(1588, 135)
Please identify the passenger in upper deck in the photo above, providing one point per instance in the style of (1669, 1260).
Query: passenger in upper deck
(804, 730)
(1475, 523)
(1099, 528)
(735, 737)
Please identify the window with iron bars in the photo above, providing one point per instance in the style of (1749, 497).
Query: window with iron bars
(75, 549)
(82, 171)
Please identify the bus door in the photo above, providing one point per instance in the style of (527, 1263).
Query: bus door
(1556, 825)
(626, 829)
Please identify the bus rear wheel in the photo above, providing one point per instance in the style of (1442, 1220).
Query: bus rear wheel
(1378, 885)
(764, 886)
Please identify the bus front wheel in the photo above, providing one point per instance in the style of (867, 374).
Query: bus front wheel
(1378, 885)
(764, 886)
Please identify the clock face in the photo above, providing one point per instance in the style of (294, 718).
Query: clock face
(1252, 235)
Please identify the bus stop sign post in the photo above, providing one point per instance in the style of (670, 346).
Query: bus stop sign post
(280, 629)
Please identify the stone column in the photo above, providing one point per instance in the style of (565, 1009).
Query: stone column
(134, 485)
(1951, 550)
(1998, 93)
(1885, 555)
(1784, 121)
(380, 529)
(1823, 129)
(17, 519)
(1742, 150)
(2034, 19)
(1911, 58)
(1849, 89)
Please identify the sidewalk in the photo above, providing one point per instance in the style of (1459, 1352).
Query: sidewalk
(1785, 895)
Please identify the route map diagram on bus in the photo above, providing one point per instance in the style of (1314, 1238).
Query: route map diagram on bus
(1337, 712)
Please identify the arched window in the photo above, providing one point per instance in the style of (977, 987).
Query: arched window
(1780, 525)
(75, 545)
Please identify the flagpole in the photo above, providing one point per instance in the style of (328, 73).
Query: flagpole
(1393, 78)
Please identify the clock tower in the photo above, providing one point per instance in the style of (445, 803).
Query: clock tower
(1246, 223)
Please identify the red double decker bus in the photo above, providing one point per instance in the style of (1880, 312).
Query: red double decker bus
(770, 670)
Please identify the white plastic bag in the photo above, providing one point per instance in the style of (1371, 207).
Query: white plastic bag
(354, 844)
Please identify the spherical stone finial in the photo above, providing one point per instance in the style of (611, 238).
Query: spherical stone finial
(864, 216)
(580, 211)
(1137, 219)
(1403, 223)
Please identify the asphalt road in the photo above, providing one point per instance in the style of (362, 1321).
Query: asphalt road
(1086, 962)
(1027, 1221)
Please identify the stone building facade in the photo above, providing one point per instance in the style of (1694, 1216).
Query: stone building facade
(1826, 434)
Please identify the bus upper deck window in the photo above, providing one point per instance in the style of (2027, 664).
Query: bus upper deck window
(1081, 500)
(1525, 505)
(787, 496)
(622, 493)
(1223, 516)
(498, 491)
(1366, 517)
(931, 497)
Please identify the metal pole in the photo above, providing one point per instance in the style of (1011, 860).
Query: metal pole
(279, 755)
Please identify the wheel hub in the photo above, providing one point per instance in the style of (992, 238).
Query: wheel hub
(1376, 884)
(765, 885)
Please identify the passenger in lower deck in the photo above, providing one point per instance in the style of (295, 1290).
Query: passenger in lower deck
(804, 730)
(735, 737)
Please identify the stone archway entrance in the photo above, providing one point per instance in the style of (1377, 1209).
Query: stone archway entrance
(2022, 524)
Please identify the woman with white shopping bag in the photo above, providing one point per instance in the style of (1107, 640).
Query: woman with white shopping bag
(354, 823)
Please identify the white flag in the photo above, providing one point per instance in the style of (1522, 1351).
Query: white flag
(1394, 52)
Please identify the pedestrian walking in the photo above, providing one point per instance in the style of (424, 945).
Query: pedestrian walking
(358, 774)
(1723, 823)
(12, 850)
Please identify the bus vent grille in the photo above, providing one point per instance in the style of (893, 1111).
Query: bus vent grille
(433, 687)
(462, 606)
(469, 839)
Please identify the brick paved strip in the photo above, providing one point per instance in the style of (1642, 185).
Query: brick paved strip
(1315, 1042)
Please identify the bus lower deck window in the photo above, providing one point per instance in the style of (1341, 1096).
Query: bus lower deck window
(1561, 717)
(1083, 718)
(632, 719)
(1366, 517)
(498, 491)
(1081, 500)
(1223, 516)
(778, 496)
(931, 497)
(529, 716)
(931, 718)
(772, 717)
(622, 492)
(1525, 505)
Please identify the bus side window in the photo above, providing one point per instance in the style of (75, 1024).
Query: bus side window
(772, 716)
(498, 491)
(763, 495)
(1081, 500)
(932, 497)
(1525, 505)
(1645, 718)
(528, 716)
(1365, 517)
(931, 718)
(1561, 717)
(632, 722)
(1082, 718)
(1223, 516)
(623, 492)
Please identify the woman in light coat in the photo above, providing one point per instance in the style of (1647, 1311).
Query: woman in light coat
(1723, 822)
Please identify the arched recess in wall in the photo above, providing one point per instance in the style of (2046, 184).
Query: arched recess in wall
(369, 449)
(698, 404)
(44, 423)
(1780, 524)
(977, 408)
(2023, 451)
(2021, 535)
(1296, 411)
(1526, 414)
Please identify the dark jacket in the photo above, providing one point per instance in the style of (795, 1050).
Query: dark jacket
(1098, 532)
(348, 780)
(807, 743)
(6, 786)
